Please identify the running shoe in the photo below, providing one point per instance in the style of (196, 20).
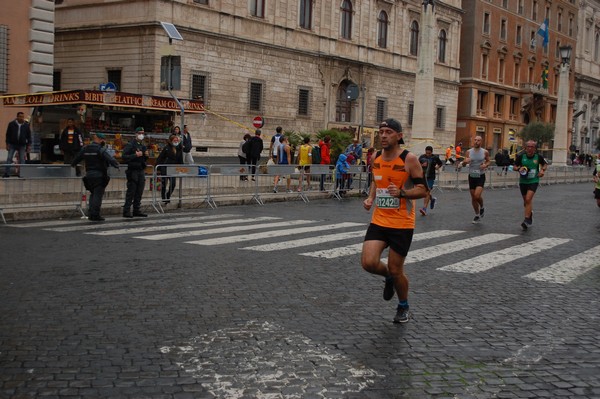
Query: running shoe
(432, 203)
(402, 315)
(524, 225)
(423, 211)
(275, 189)
(476, 219)
(388, 289)
(481, 210)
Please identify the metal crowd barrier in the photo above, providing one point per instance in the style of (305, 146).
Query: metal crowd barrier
(36, 186)
(56, 186)
(192, 183)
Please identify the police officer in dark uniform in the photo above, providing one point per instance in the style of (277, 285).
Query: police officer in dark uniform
(135, 155)
(96, 177)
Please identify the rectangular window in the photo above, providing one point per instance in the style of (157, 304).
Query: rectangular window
(514, 108)
(411, 111)
(520, 7)
(484, 66)
(486, 23)
(306, 14)
(439, 117)
(199, 87)
(255, 96)
(519, 35)
(257, 8)
(532, 40)
(498, 105)
(381, 110)
(534, 10)
(114, 76)
(303, 101)
(3, 58)
(56, 80)
(571, 25)
(505, 3)
(170, 71)
(517, 74)
(503, 29)
(501, 70)
(481, 103)
(560, 22)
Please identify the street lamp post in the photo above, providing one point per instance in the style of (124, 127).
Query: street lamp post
(559, 156)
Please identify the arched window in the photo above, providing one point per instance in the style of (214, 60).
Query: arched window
(382, 27)
(347, 19)
(597, 47)
(414, 38)
(442, 39)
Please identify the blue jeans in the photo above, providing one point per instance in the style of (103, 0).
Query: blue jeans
(11, 153)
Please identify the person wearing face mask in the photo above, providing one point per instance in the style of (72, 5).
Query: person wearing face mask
(171, 154)
(135, 154)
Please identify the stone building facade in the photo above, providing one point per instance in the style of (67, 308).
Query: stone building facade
(586, 116)
(26, 53)
(502, 60)
(290, 61)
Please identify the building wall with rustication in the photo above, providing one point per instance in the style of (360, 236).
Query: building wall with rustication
(232, 49)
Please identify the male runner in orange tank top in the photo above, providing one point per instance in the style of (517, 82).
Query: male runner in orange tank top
(397, 182)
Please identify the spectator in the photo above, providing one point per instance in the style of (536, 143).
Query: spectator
(171, 154)
(304, 161)
(355, 150)
(283, 158)
(70, 143)
(325, 146)
(341, 170)
(242, 155)
(255, 147)
(186, 142)
(18, 139)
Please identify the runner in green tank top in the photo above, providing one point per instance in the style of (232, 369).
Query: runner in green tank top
(531, 166)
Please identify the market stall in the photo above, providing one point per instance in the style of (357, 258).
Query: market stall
(116, 114)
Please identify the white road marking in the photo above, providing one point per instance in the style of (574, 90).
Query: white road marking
(179, 226)
(232, 229)
(357, 248)
(488, 261)
(307, 241)
(568, 269)
(273, 233)
(136, 222)
(454, 246)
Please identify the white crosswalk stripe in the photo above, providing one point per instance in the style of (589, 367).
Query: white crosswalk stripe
(488, 261)
(179, 226)
(272, 234)
(304, 242)
(233, 229)
(136, 222)
(357, 248)
(568, 269)
(450, 247)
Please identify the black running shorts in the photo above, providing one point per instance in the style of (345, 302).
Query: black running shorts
(475, 182)
(397, 239)
(527, 187)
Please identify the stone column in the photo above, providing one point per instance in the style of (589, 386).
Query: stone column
(559, 155)
(424, 96)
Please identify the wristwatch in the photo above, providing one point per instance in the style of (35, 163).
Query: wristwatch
(402, 194)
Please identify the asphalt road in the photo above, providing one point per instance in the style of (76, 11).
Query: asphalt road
(271, 302)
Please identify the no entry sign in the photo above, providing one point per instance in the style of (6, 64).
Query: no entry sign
(258, 122)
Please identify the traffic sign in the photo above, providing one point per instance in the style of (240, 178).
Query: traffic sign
(258, 122)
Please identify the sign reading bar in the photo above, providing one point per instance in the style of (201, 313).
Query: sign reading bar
(117, 99)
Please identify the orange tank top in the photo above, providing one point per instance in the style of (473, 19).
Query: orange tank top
(396, 213)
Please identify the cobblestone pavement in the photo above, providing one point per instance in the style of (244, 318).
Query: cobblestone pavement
(271, 302)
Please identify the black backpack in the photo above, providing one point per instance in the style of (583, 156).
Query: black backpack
(316, 155)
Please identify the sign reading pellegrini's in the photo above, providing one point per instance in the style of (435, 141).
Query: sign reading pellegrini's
(117, 99)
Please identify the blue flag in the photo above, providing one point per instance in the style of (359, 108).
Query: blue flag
(543, 32)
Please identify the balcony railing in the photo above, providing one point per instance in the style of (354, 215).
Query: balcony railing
(535, 88)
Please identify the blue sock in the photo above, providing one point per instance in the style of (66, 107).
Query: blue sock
(403, 304)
